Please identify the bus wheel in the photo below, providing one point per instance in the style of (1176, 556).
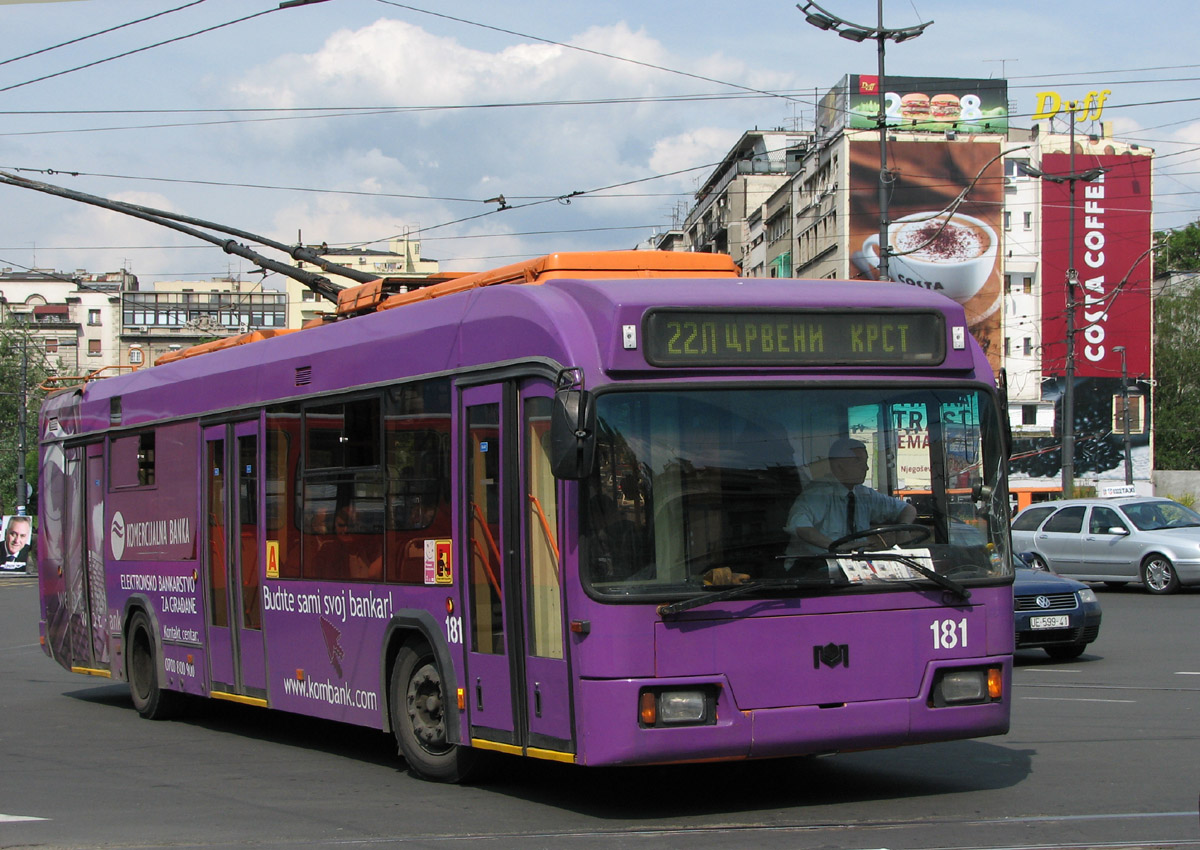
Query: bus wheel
(418, 709)
(151, 701)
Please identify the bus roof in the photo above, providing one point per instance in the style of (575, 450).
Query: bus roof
(378, 294)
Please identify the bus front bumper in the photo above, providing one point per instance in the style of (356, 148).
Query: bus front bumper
(611, 726)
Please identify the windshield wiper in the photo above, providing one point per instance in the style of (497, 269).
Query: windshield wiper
(736, 590)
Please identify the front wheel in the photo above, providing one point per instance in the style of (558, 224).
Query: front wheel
(151, 701)
(418, 713)
(1037, 562)
(1158, 574)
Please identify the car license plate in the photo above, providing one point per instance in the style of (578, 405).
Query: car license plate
(1060, 621)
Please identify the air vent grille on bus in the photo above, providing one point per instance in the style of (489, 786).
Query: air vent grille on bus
(303, 376)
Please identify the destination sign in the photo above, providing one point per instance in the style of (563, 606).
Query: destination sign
(794, 337)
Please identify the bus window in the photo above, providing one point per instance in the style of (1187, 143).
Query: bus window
(283, 470)
(692, 481)
(541, 528)
(215, 474)
(343, 492)
(247, 447)
(344, 434)
(417, 462)
(487, 615)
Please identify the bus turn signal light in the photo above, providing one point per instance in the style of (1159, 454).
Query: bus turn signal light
(648, 708)
(995, 683)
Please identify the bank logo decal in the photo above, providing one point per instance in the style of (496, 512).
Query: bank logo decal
(116, 535)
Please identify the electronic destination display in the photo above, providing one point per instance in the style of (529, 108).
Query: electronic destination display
(774, 337)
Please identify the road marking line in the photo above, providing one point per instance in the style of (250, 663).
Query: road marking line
(1187, 672)
(15, 818)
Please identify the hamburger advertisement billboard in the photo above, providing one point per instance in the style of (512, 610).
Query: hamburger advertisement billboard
(939, 241)
(917, 104)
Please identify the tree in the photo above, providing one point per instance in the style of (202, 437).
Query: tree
(1177, 375)
(1178, 250)
(17, 347)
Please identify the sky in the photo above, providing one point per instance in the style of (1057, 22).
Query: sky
(351, 122)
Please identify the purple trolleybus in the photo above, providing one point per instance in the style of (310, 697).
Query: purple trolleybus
(543, 511)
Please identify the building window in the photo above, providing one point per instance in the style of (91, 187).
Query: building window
(1007, 220)
(93, 317)
(308, 295)
(1007, 346)
(51, 346)
(1027, 285)
(1028, 348)
(1028, 220)
(1029, 414)
(94, 348)
(1008, 284)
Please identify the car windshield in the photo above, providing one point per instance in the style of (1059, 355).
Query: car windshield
(1153, 516)
(690, 483)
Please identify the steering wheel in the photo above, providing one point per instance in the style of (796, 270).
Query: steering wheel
(922, 532)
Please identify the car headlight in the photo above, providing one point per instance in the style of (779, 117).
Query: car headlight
(1087, 595)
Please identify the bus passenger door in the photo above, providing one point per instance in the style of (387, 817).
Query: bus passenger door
(233, 547)
(489, 694)
(94, 530)
(546, 677)
(517, 683)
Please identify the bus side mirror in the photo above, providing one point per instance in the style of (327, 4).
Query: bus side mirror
(572, 434)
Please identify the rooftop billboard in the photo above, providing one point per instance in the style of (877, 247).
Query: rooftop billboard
(918, 104)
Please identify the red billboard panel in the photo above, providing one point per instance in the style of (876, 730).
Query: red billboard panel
(940, 239)
(1110, 253)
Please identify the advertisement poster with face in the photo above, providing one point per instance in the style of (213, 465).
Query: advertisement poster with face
(18, 534)
(936, 244)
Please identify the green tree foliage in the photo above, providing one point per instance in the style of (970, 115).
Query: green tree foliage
(1177, 373)
(1178, 250)
(16, 345)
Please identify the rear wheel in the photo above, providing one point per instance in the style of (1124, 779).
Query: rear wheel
(419, 722)
(1158, 574)
(151, 701)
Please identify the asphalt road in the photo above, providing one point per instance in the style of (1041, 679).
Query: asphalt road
(1103, 752)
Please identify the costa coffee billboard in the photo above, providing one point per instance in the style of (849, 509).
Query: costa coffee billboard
(1112, 236)
(937, 243)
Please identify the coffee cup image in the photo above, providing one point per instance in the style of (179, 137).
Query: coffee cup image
(953, 255)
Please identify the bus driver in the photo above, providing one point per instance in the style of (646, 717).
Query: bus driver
(829, 510)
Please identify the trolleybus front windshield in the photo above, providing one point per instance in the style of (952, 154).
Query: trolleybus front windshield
(688, 482)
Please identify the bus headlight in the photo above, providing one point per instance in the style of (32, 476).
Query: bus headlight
(969, 686)
(676, 707)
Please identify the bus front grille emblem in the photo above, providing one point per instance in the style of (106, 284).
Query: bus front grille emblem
(831, 655)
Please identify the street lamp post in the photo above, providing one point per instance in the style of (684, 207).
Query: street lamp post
(1120, 349)
(23, 402)
(824, 20)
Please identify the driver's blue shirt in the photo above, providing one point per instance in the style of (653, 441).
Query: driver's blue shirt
(823, 506)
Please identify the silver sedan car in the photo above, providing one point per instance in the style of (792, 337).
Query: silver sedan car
(1148, 540)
